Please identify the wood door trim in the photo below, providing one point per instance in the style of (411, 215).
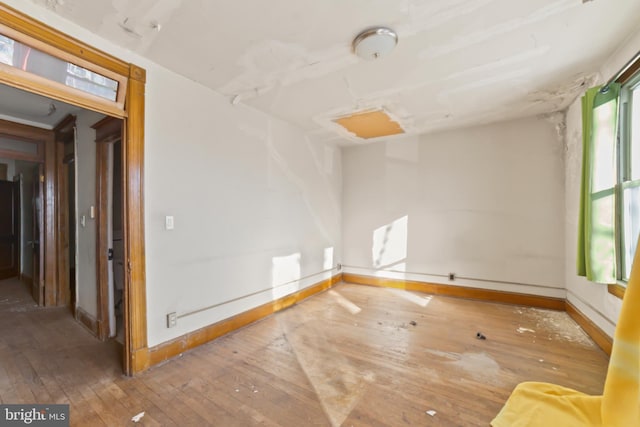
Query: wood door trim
(25, 133)
(108, 131)
(64, 131)
(133, 169)
(90, 322)
(135, 296)
(102, 241)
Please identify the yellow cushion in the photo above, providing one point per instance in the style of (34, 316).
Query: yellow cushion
(543, 405)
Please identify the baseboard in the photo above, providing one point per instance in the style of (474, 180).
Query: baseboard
(599, 336)
(204, 335)
(90, 322)
(459, 291)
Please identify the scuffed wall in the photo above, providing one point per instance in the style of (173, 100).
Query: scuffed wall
(483, 202)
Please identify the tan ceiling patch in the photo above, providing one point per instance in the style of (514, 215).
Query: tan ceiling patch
(370, 124)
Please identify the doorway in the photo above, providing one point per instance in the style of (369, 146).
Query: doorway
(129, 85)
(110, 226)
(9, 227)
(27, 176)
(21, 207)
(87, 196)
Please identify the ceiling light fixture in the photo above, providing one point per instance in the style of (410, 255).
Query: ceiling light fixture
(374, 42)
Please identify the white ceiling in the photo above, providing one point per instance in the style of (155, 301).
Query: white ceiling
(27, 108)
(457, 63)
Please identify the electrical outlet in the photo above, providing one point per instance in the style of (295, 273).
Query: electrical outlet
(452, 276)
(172, 320)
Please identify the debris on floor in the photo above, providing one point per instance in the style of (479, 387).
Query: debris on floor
(431, 412)
(480, 336)
(413, 323)
(523, 330)
(137, 418)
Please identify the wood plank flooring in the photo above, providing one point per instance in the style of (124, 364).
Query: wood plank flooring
(347, 357)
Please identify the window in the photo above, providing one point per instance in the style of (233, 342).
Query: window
(610, 196)
(628, 178)
(29, 59)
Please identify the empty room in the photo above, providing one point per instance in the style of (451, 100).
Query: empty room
(319, 213)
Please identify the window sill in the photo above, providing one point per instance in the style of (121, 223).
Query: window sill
(617, 290)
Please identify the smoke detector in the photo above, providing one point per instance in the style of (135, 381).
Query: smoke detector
(374, 43)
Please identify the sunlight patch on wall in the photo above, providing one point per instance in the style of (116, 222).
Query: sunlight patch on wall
(390, 243)
(328, 258)
(285, 270)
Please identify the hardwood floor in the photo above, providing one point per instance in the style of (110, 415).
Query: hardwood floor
(350, 356)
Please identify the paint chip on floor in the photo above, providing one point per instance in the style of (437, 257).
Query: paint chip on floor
(431, 412)
(137, 418)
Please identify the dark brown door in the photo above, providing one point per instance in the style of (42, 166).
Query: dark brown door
(9, 229)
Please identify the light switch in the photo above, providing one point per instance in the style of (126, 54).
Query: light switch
(92, 212)
(168, 222)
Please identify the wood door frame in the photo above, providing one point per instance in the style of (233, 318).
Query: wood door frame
(63, 134)
(108, 131)
(136, 355)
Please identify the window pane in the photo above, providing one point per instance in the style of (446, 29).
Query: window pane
(630, 225)
(634, 149)
(42, 64)
(6, 50)
(602, 238)
(604, 159)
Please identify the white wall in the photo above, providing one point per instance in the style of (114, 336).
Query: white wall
(255, 203)
(86, 285)
(483, 202)
(592, 299)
